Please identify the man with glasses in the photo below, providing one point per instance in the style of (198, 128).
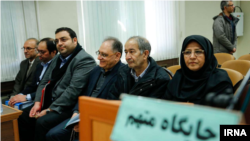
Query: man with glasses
(58, 91)
(46, 51)
(100, 80)
(224, 29)
(27, 67)
(142, 76)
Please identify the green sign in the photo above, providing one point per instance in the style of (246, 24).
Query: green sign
(145, 119)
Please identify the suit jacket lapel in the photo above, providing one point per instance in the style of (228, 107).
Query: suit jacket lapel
(33, 67)
(108, 78)
(111, 75)
(93, 81)
(25, 70)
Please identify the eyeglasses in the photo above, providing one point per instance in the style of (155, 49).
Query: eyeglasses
(103, 55)
(187, 53)
(41, 52)
(27, 48)
(230, 5)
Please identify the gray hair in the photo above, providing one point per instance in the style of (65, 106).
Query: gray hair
(37, 41)
(224, 3)
(143, 43)
(116, 46)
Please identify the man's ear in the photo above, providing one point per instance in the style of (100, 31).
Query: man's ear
(118, 55)
(54, 52)
(146, 54)
(75, 40)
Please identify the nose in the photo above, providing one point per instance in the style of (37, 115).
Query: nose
(38, 54)
(25, 50)
(128, 56)
(99, 57)
(59, 43)
(192, 55)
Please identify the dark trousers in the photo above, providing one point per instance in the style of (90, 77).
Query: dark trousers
(31, 129)
(59, 133)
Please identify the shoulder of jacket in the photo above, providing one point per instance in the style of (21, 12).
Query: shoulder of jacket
(24, 61)
(219, 17)
(161, 72)
(123, 68)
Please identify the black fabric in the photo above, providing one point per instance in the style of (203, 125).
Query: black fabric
(153, 84)
(31, 89)
(41, 125)
(232, 26)
(193, 86)
(59, 133)
(57, 73)
(98, 85)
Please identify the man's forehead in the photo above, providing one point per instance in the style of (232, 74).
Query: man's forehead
(131, 46)
(106, 46)
(230, 3)
(42, 46)
(62, 34)
(30, 43)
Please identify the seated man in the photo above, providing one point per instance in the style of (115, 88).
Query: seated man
(64, 81)
(101, 77)
(27, 67)
(46, 51)
(142, 76)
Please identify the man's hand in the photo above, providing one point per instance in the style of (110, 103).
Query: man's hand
(74, 115)
(233, 51)
(42, 113)
(17, 98)
(35, 110)
(76, 127)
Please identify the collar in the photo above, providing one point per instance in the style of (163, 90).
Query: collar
(65, 59)
(105, 73)
(32, 61)
(132, 72)
(45, 64)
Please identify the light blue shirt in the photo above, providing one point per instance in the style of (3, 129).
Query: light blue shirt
(45, 66)
(64, 60)
(141, 75)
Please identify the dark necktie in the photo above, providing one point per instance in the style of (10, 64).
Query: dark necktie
(28, 70)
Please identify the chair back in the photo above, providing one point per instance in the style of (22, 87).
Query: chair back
(223, 57)
(174, 68)
(241, 66)
(235, 76)
(245, 57)
(170, 74)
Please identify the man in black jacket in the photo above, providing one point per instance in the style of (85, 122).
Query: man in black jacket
(142, 76)
(99, 82)
(46, 51)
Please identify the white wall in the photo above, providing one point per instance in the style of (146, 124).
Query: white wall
(55, 14)
(198, 20)
(244, 41)
(199, 17)
(195, 18)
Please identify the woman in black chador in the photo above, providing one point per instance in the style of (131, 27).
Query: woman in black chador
(198, 75)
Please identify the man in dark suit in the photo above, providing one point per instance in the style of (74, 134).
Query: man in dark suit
(27, 66)
(46, 51)
(142, 76)
(100, 80)
(65, 78)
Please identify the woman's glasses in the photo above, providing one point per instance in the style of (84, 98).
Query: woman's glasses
(188, 53)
